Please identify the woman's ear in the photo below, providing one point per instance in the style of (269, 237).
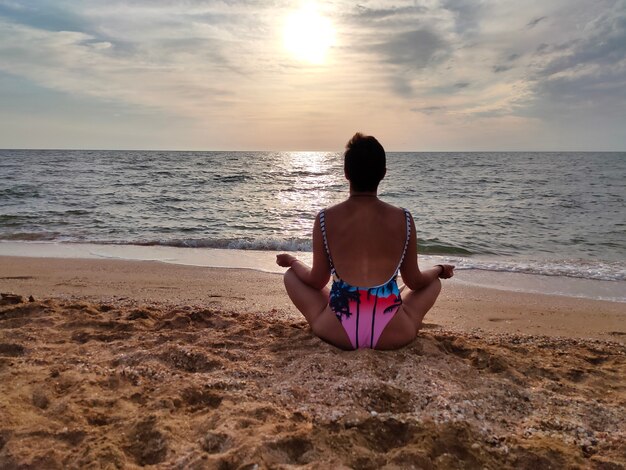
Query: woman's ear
(345, 173)
(384, 173)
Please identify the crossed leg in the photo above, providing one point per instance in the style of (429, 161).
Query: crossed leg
(403, 327)
(417, 303)
(313, 304)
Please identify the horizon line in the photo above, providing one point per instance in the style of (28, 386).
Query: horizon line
(304, 151)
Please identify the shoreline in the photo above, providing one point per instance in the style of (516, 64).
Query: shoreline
(461, 306)
(264, 261)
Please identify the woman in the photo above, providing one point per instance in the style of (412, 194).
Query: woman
(363, 241)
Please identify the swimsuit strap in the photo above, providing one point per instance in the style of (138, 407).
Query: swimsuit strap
(323, 227)
(407, 217)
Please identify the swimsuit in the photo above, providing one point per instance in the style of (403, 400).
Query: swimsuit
(364, 312)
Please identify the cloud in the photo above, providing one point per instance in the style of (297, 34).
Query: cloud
(405, 40)
(501, 68)
(587, 74)
(79, 63)
(467, 15)
(604, 46)
(428, 109)
(42, 15)
(363, 12)
(411, 52)
(535, 21)
(413, 49)
(401, 85)
(507, 63)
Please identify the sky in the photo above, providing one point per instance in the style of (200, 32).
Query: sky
(431, 75)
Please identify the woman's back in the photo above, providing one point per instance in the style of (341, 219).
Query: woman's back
(366, 238)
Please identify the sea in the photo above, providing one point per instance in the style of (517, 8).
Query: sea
(545, 222)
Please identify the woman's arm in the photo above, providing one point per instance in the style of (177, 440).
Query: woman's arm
(317, 276)
(412, 276)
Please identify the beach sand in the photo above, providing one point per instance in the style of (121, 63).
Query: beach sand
(119, 364)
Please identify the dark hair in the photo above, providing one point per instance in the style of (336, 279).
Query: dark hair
(364, 162)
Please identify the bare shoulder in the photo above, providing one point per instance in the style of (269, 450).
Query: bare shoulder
(392, 208)
(336, 207)
(392, 211)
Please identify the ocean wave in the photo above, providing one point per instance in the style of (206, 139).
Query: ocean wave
(76, 212)
(20, 192)
(232, 178)
(262, 244)
(289, 244)
(11, 220)
(306, 173)
(435, 246)
(600, 271)
(31, 236)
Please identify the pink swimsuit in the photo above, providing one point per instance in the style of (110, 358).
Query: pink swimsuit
(364, 312)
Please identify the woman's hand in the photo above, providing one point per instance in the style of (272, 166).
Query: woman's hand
(447, 271)
(285, 260)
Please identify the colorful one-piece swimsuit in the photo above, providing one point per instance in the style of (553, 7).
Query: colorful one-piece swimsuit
(364, 312)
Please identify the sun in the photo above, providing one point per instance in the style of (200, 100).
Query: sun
(308, 35)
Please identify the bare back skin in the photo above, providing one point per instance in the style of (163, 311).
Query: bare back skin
(366, 237)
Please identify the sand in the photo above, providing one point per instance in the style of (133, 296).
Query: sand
(126, 364)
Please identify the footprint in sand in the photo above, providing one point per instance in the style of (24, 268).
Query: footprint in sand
(188, 361)
(216, 443)
(197, 399)
(386, 398)
(384, 435)
(11, 349)
(147, 444)
(291, 450)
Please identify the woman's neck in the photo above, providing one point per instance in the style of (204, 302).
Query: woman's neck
(363, 194)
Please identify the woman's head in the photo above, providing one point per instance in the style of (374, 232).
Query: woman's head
(364, 162)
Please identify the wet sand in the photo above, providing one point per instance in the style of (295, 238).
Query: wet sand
(121, 364)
